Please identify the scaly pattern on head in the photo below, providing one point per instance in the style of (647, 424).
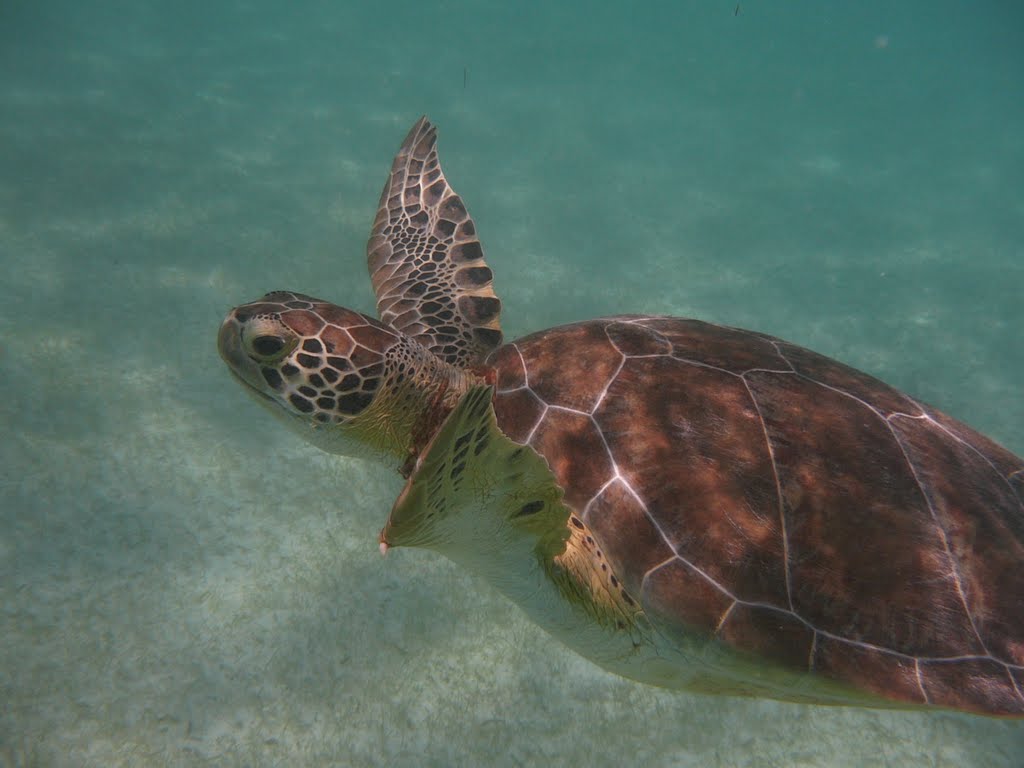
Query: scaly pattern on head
(349, 383)
(316, 360)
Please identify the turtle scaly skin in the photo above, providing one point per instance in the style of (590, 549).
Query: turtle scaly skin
(689, 505)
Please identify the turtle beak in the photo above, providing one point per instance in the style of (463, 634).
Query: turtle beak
(229, 345)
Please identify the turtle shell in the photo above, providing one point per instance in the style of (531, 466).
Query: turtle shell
(751, 490)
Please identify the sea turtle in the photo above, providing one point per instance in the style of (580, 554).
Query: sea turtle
(688, 505)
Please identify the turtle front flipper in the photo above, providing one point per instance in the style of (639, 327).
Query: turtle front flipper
(425, 259)
(494, 506)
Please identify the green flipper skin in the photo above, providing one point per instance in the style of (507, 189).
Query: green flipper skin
(472, 483)
(493, 505)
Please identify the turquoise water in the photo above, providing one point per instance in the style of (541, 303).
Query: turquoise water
(184, 583)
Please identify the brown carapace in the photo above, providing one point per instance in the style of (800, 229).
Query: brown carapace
(691, 505)
(784, 503)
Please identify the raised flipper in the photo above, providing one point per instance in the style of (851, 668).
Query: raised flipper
(426, 262)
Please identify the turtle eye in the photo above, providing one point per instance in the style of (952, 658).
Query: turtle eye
(267, 346)
(265, 339)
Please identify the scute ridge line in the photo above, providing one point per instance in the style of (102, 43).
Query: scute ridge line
(724, 617)
(778, 350)
(954, 565)
(586, 509)
(540, 420)
(509, 391)
(699, 364)
(611, 380)
(640, 321)
(844, 393)
(1013, 682)
(953, 562)
(778, 491)
(974, 450)
(920, 681)
(526, 370)
(987, 656)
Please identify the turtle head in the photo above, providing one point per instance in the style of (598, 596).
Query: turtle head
(331, 373)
